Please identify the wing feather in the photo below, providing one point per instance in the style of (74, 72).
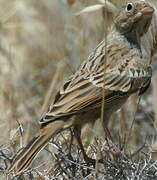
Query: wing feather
(83, 91)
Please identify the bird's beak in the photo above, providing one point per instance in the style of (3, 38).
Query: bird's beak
(147, 11)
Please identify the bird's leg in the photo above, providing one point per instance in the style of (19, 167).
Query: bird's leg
(105, 126)
(71, 141)
(107, 133)
(113, 150)
(77, 134)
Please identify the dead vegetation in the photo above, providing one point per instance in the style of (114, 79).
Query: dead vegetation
(42, 43)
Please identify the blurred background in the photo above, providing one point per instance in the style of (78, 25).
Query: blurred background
(41, 44)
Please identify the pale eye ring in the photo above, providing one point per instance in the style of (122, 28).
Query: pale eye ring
(129, 7)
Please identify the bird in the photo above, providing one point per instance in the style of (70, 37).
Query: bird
(114, 70)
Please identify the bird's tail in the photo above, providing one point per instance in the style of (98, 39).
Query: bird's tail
(25, 157)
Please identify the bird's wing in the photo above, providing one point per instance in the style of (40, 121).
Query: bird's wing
(126, 78)
(84, 89)
(122, 69)
(73, 98)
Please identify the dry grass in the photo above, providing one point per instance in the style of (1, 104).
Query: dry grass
(42, 43)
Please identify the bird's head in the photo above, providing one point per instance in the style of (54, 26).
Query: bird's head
(135, 15)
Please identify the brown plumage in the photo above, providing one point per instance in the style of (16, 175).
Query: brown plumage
(120, 72)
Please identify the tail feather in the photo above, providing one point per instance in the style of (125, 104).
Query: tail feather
(25, 157)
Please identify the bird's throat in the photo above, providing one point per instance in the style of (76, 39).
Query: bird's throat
(133, 38)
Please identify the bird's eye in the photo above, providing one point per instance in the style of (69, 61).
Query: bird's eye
(129, 7)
